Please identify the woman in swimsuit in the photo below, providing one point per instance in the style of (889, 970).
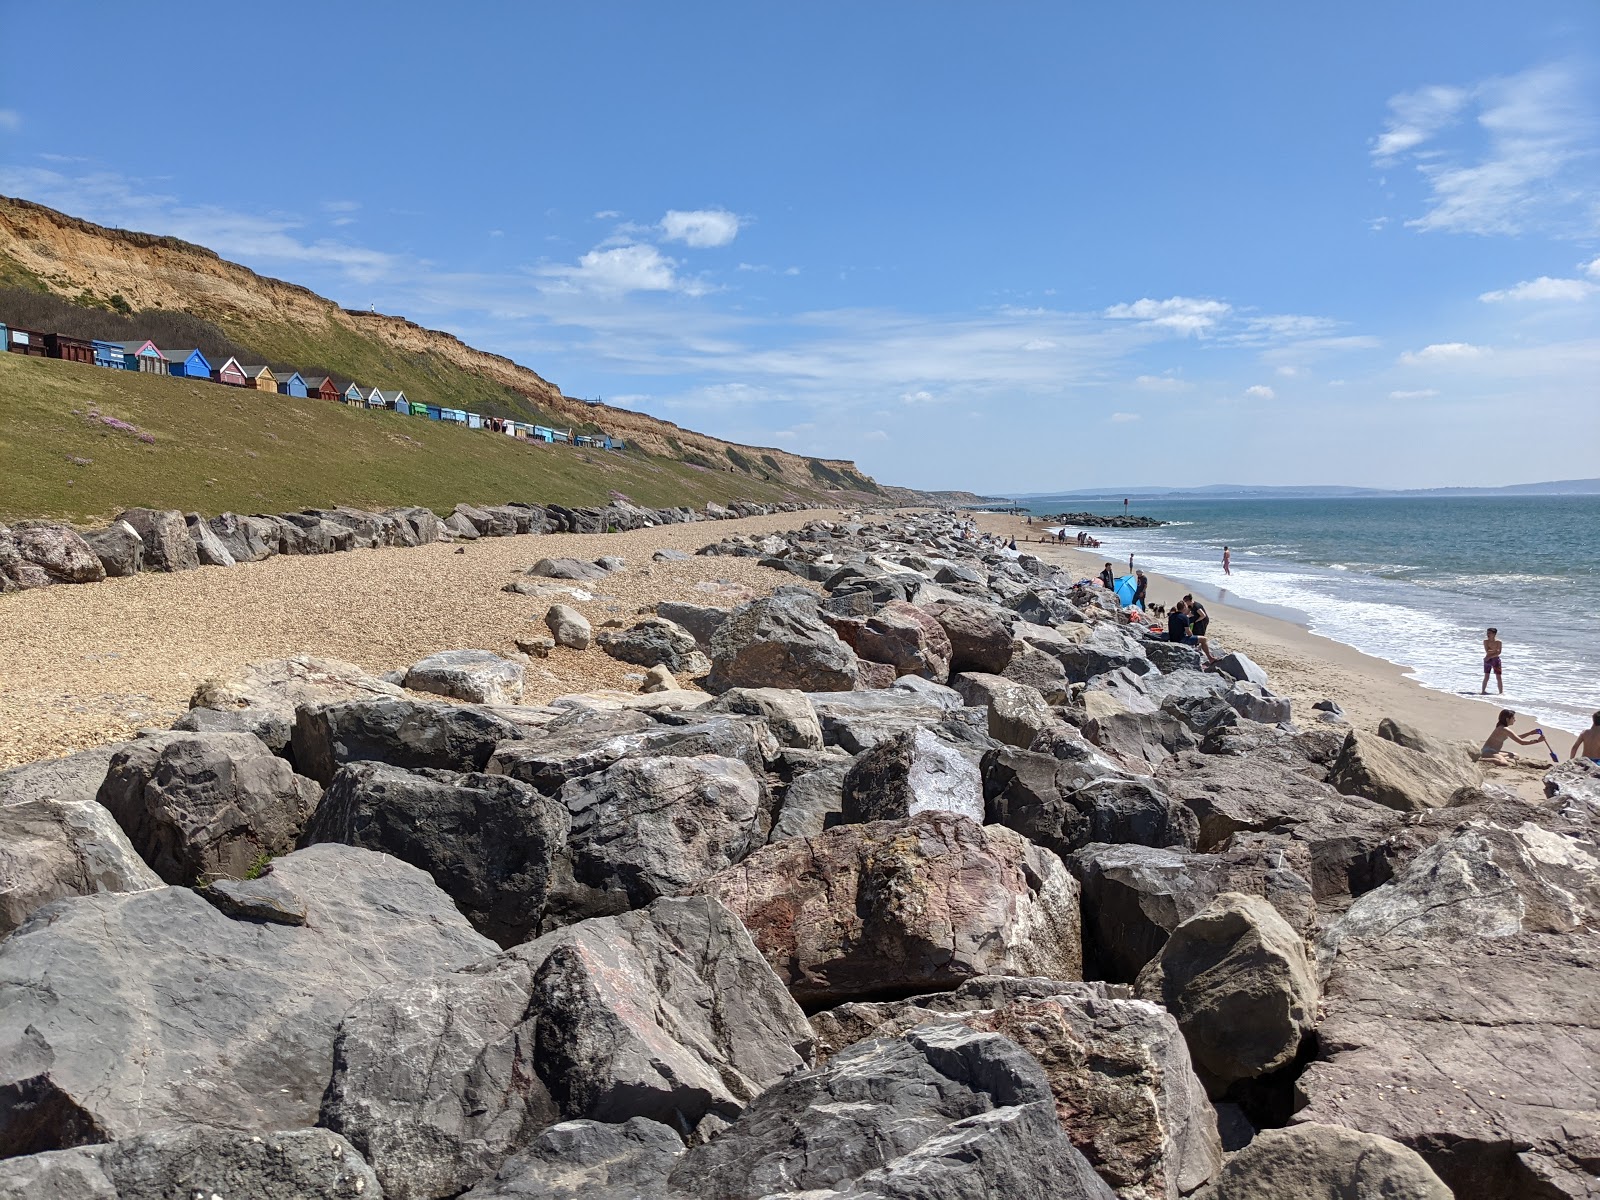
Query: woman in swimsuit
(1494, 747)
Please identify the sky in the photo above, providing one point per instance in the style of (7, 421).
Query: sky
(1013, 248)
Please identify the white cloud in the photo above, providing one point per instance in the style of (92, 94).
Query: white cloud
(607, 214)
(1443, 352)
(1161, 383)
(1260, 391)
(1038, 344)
(617, 270)
(700, 228)
(1534, 169)
(1122, 418)
(1543, 288)
(796, 270)
(10, 120)
(1417, 394)
(1593, 269)
(1292, 372)
(920, 396)
(1414, 117)
(1182, 314)
(875, 435)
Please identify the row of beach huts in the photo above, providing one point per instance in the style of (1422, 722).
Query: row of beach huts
(146, 357)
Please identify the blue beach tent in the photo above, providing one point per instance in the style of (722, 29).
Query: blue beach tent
(1124, 587)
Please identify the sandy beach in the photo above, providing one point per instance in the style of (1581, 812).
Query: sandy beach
(90, 664)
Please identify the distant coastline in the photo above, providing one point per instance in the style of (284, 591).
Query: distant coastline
(1232, 491)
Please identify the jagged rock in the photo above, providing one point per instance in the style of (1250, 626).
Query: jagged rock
(461, 528)
(196, 1161)
(56, 840)
(1038, 670)
(1063, 806)
(1047, 607)
(263, 899)
(208, 547)
(811, 802)
(1124, 1088)
(487, 840)
(588, 1160)
(788, 713)
(650, 827)
(536, 647)
(246, 539)
(700, 620)
(910, 773)
(780, 641)
(167, 544)
(567, 568)
(424, 522)
(901, 635)
(1105, 648)
(940, 1112)
(980, 636)
(577, 743)
(119, 548)
(476, 676)
(405, 733)
(655, 641)
(1135, 896)
(1231, 794)
(1238, 980)
(1172, 656)
(923, 903)
(658, 679)
(1398, 776)
(58, 551)
(122, 1013)
(1324, 1162)
(1017, 712)
(206, 805)
(1575, 781)
(1140, 741)
(568, 626)
(1238, 666)
(267, 694)
(667, 1013)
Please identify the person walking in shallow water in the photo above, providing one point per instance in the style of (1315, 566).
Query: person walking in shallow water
(1491, 663)
(1227, 561)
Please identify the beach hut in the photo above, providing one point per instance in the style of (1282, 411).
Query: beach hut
(397, 398)
(562, 435)
(291, 385)
(230, 373)
(474, 421)
(322, 387)
(107, 354)
(25, 341)
(260, 377)
(401, 406)
(434, 412)
(188, 364)
(143, 356)
(376, 399)
(69, 349)
(541, 434)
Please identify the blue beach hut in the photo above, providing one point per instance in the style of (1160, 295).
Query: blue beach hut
(143, 356)
(108, 354)
(188, 364)
(291, 385)
(354, 395)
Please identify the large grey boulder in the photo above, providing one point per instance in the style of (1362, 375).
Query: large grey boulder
(667, 1013)
(476, 676)
(488, 841)
(910, 773)
(165, 534)
(1238, 980)
(653, 642)
(905, 905)
(264, 696)
(58, 551)
(701, 620)
(56, 840)
(123, 1013)
(899, 635)
(942, 1111)
(567, 568)
(1135, 896)
(201, 806)
(119, 548)
(1325, 1162)
(404, 733)
(1238, 665)
(1103, 649)
(980, 635)
(246, 539)
(208, 547)
(588, 1160)
(196, 1161)
(1017, 712)
(1397, 776)
(1125, 1091)
(812, 800)
(787, 712)
(780, 641)
(649, 827)
(568, 626)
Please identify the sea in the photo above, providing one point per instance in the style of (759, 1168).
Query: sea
(1415, 581)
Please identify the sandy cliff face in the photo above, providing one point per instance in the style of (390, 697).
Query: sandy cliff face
(69, 256)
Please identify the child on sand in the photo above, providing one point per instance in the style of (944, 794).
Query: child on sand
(1491, 662)
(1588, 743)
(1494, 746)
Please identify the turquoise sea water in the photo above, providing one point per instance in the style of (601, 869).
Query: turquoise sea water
(1413, 581)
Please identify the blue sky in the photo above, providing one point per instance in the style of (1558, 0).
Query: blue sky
(1015, 247)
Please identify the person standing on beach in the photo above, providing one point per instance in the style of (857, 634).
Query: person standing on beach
(1588, 743)
(1140, 587)
(1107, 578)
(1227, 561)
(1130, 563)
(1491, 662)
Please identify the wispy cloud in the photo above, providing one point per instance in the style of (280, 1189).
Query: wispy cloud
(1161, 383)
(1531, 166)
(10, 120)
(1443, 352)
(1122, 418)
(1260, 391)
(607, 214)
(1414, 394)
(1181, 314)
(700, 228)
(1541, 290)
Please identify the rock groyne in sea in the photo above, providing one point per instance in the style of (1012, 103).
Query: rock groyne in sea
(942, 877)
(1089, 520)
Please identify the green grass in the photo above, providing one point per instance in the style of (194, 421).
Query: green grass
(217, 449)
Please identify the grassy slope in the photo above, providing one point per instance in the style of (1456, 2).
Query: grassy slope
(218, 449)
